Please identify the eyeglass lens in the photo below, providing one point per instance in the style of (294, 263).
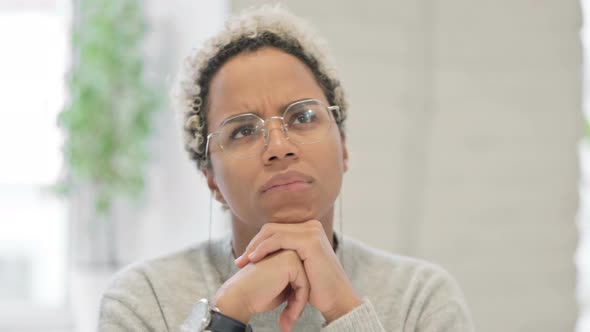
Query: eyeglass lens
(246, 135)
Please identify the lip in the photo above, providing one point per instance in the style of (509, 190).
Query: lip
(291, 180)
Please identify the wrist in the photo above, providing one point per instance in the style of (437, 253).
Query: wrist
(342, 308)
(228, 306)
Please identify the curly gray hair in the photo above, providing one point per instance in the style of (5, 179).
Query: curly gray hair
(247, 32)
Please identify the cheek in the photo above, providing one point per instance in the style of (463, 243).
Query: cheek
(330, 161)
(335, 152)
(234, 182)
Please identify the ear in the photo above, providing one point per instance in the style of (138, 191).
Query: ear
(212, 184)
(344, 153)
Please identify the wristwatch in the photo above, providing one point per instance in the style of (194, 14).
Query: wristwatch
(206, 317)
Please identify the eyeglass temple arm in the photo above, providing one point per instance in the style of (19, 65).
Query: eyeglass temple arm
(336, 112)
(207, 144)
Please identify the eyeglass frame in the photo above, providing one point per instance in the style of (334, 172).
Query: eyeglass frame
(333, 111)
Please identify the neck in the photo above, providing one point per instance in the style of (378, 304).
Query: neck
(243, 233)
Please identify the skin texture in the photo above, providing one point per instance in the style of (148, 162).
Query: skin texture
(278, 225)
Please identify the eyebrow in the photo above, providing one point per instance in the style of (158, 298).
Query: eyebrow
(259, 114)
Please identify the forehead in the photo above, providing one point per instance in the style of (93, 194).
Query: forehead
(264, 81)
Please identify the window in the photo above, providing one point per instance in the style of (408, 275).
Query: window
(33, 239)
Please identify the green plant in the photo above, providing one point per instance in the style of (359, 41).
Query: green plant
(107, 118)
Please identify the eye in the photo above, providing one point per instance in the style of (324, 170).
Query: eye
(242, 132)
(303, 117)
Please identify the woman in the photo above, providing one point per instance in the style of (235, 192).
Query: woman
(264, 122)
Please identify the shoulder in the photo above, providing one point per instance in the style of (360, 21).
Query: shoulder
(138, 277)
(379, 262)
(414, 287)
(157, 290)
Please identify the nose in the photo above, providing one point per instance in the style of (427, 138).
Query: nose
(278, 145)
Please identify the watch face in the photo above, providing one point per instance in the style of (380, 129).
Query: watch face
(202, 310)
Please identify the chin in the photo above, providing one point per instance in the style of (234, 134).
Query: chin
(291, 215)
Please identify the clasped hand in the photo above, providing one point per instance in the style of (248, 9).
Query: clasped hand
(288, 262)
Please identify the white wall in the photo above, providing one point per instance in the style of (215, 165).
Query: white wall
(464, 123)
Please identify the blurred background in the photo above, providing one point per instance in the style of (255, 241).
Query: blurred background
(468, 141)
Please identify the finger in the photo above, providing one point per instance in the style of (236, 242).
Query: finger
(285, 322)
(284, 236)
(299, 296)
(266, 247)
(301, 243)
(296, 304)
(241, 261)
(264, 233)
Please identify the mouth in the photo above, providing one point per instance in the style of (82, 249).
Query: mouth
(291, 181)
(290, 187)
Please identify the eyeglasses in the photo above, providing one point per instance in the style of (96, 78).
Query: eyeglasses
(244, 136)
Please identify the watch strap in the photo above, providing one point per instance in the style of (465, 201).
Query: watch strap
(222, 323)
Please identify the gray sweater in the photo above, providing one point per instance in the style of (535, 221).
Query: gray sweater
(400, 293)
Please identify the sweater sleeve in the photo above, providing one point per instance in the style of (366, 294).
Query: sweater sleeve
(117, 316)
(451, 317)
(444, 307)
(361, 319)
(130, 304)
(415, 296)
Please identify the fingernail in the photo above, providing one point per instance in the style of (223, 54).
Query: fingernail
(252, 255)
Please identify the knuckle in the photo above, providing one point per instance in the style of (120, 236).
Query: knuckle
(268, 227)
(317, 231)
(291, 254)
(263, 229)
(291, 257)
(316, 227)
(278, 236)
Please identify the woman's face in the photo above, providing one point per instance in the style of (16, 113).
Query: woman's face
(285, 182)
